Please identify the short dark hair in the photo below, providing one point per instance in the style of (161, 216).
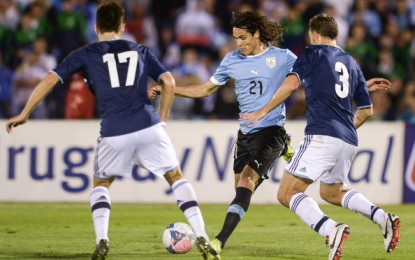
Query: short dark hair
(110, 16)
(269, 31)
(325, 25)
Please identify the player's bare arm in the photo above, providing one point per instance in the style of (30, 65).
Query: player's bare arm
(192, 91)
(286, 89)
(361, 116)
(378, 84)
(167, 95)
(197, 90)
(39, 93)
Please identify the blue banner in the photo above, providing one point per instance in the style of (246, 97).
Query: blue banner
(409, 165)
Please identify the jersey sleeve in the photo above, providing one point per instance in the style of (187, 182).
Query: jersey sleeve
(72, 63)
(155, 67)
(361, 95)
(221, 75)
(291, 58)
(304, 64)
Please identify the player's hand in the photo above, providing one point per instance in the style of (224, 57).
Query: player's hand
(153, 91)
(378, 84)
(251, 118)
(15, 121)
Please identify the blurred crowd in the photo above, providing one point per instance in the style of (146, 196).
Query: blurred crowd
(191, 37)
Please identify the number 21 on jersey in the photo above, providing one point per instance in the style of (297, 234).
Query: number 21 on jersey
(127, 56)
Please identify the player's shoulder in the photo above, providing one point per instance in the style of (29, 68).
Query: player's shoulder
(324, 49)
(280, 53)
(316, 52)
(232, 58)
(275, 49)
(310, 49)
(339, 54)
(233, 55)
(136, 46)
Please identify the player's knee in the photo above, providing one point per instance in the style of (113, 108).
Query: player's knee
(324, 195)
(282, 198)
(330, 197)
(103, 182)
(173, 176)
(248, 181)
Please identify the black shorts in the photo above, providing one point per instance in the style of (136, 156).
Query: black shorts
(259, 150)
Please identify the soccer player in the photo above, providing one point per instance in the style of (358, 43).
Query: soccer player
(258, 67)
(131, 130)
(332, 81)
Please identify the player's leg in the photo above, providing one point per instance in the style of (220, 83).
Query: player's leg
(187, 203)
(100, 207)
(237, 176)
(354, 201)
(100, 203)
(216, 243)
(315, 156)
(157, 155)
(333, 192)
(239, 206)
(254, 155)
(389, 224)
(291, 194)
(357, 202)
(113, 157)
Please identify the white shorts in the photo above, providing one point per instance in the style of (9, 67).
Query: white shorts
(150, 148)
(324, 157)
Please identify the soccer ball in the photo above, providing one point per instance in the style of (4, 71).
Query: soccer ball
(178, 238)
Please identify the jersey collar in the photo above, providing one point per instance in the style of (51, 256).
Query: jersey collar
(256, 55)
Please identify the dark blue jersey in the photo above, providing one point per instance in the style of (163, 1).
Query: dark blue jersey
(117, 73)
(332, 81)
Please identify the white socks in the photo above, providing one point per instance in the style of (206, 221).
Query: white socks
(100, 203)
(310, 213)
(100, 206)
(187, 202)
(356, 202)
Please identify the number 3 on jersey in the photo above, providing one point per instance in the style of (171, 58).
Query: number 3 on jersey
(128, 56)
(342, 90)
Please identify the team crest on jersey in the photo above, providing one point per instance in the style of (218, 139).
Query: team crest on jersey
(271, 62)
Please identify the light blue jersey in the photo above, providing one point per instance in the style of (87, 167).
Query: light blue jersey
(257, 78)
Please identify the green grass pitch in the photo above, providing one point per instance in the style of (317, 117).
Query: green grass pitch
(64, 231)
